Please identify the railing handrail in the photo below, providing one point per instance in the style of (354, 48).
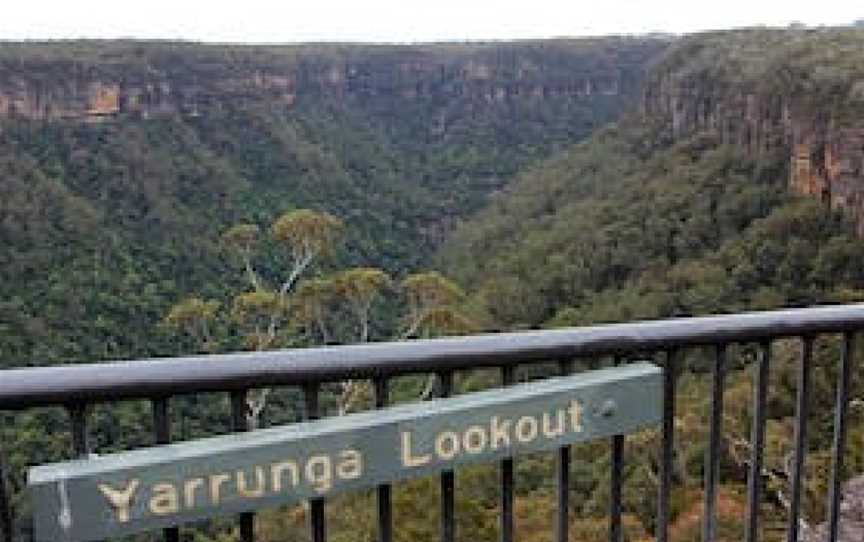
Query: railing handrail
(110, 381)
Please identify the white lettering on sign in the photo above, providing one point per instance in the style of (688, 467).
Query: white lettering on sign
(166, 498)
(497, 434)
(120, 499)
(323, 470)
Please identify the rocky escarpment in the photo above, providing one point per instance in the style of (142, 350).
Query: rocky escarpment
(100, 98)
(105, 80)
(795, 92)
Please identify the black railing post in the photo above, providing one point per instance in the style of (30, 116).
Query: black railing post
(162, 435)
(317, 509)
(615, 531)
(240, 424)
(715, 441)
(506, 473)
(384, 491)
(670, 375)
(562, 473)
(161, 421)
(841, 408)
(80, 437)
(448, 478)
(762, 372)
(80, 440)
(615, 481)
(801, 414)
(7, 523)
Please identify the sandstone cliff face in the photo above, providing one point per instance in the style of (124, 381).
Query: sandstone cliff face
(820, 130)
(101, 99)
(94, 100)
(38, 89)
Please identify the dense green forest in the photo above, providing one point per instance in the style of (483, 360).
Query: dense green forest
(107, 220)
(614, 230)
(127, 236)
(679, 211)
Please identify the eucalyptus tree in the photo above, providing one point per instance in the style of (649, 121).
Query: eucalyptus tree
(260, 314)
(297, 305)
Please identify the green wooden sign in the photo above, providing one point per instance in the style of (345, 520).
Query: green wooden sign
(163, 486)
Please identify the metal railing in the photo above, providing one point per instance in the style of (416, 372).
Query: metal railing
(76, 387)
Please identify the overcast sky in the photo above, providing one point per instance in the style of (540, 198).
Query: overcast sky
(399, 20)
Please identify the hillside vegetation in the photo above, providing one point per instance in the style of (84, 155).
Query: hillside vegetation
(821, 67)
(611, 231)
(680, 210)
(122, 163)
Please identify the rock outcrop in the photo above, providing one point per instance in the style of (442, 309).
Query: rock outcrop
(100, 99)
(826, 160)
(151, 80)
(768, 101)
(851, 524)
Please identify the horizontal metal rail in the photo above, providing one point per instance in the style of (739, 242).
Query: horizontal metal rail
(89, 383)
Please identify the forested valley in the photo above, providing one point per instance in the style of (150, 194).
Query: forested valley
(175, 199)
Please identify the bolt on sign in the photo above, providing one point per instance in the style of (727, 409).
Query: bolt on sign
(146, 489)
